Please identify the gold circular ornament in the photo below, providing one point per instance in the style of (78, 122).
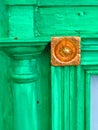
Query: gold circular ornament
(65, 50)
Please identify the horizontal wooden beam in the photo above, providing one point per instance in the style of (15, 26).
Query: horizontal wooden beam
(66, 2)
(70, 21)
(20, 2)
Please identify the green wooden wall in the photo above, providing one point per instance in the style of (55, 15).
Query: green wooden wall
(55, 98)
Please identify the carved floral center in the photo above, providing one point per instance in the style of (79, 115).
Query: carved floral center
(65, 50)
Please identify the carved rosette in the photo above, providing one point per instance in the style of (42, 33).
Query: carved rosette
(65, 51)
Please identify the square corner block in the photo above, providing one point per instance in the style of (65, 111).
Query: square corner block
(65, 51)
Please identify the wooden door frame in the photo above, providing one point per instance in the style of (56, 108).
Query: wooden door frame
(71, 90)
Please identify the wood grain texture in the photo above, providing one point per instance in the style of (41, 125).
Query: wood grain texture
(67, 21)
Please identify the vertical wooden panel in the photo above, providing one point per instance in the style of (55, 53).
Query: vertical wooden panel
(68, 80)
(80, 98)
(66, 98)
(73, 98)
(57, 97)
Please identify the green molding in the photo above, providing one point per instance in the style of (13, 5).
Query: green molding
(24, 42)
(57, 98)
(25, 79)
(24, 76)
(71, 85)
(66, 2)
(29, 90)
(20, 2)
(71, 97)
(67, 98)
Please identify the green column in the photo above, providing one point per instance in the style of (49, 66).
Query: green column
(24, 76)
(24, 93)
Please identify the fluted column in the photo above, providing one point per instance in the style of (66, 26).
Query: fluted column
(24, 75)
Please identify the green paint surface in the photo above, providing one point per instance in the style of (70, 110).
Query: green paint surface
(71, 90)
(21, 22)
(6, 98)
(33, 94)
(3, 20)
(67, 21)
(25, 96)
(20, 2)
(67, 2)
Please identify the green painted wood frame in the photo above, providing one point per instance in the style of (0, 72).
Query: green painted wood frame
(71, 90)
(70, 85)
(22, 72)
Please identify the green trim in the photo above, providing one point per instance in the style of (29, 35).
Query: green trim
(66, 2)
(66, 20)
(20, 2)
(57, 98)
(24, 42)
(80, 97)
(66, 98)
(75, 84)
(87, 102)
(72, 98)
